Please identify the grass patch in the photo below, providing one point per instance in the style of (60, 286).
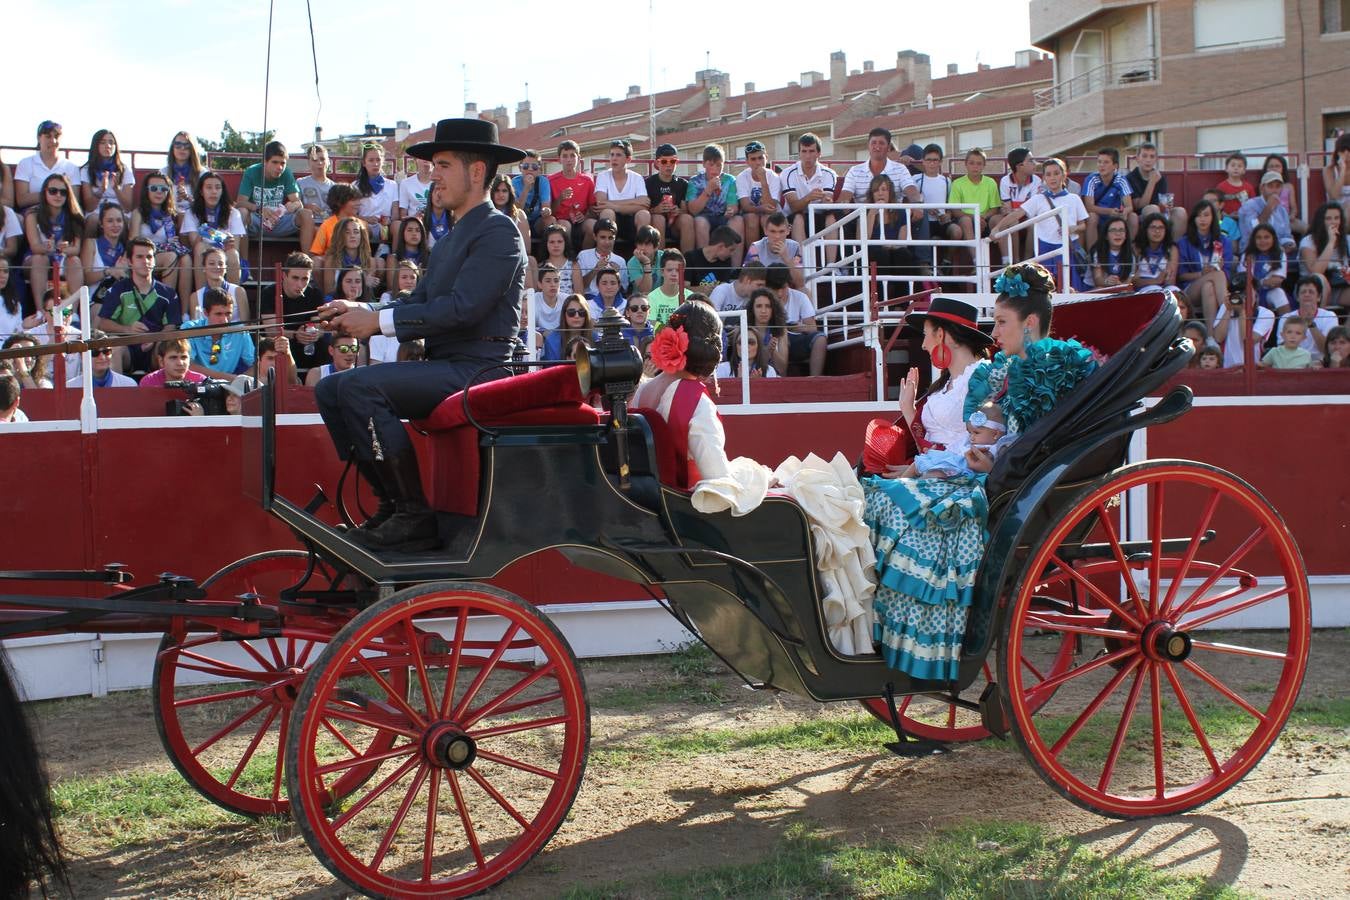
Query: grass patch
(1223, 722)
(690, 674)
(850, 733)
(987, 860)
(135, 807)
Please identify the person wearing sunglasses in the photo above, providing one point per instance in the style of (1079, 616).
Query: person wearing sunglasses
(346, 355)
(54, 229)
(220, 355)
(577, 326)
(638, 313)
(184, 168)
(157, 218)
(100, 363)
(32, 172)
(534, 193)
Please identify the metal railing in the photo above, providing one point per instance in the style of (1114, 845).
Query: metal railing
(852, 320)
(1112, 74)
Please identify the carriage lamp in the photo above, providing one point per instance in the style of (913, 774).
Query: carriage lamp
(612, 367)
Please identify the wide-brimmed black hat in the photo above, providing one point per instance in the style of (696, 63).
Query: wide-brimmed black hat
(954, 315)
(470, 135)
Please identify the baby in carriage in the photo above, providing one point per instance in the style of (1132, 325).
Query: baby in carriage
(988, 432)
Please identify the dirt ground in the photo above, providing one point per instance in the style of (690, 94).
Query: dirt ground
(1282, 832)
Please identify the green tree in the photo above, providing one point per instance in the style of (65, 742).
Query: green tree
(234, 141)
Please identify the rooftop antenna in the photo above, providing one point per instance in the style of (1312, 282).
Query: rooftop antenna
(527, 92)
(464, 79)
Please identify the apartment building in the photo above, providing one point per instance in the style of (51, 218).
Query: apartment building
(1193, 76)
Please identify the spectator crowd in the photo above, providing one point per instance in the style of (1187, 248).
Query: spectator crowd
(169, 249)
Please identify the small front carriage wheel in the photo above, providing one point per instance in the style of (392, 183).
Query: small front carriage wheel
(491, 746)
(1169, 704)
(223, 704)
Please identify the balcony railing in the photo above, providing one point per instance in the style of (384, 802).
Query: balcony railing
(1112, 74)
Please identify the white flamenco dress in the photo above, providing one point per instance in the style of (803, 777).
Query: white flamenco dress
(828, 492)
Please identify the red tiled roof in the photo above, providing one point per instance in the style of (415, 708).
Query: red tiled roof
(540, 135)
(1005, 105)
(992, 79)
(726, 133)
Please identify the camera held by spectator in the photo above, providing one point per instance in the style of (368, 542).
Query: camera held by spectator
(204, 398)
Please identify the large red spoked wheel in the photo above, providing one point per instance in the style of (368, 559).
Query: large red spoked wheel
(492, 741)
(1174, 706)
(223, 704)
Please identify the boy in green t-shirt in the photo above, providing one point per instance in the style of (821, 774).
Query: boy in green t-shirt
(668, 297)
(973, 187)
(1289, 355)
(269, 198)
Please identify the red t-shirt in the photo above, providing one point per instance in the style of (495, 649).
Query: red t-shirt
(1233, 196)
(583, 194)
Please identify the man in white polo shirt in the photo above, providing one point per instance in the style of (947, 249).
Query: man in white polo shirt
(878, 162)
(859, 178)
(805, 182)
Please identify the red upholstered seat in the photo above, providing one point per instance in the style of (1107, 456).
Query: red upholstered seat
(549, 396)
(1106, 323)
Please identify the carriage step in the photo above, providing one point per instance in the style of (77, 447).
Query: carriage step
(906, 744)
(992, 716)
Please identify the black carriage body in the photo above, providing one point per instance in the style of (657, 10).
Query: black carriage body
(747, 585)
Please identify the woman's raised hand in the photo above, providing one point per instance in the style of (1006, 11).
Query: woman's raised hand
(909, 392)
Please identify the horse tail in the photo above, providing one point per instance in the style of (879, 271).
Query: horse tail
(30, 851)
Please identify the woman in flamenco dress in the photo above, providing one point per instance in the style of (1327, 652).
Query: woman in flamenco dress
(929, 533)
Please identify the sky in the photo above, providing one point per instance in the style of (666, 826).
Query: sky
(201, 62)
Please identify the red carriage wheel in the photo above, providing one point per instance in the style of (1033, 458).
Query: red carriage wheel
(223, 704)
(491, 746)
(935, 720)
(1170, 710)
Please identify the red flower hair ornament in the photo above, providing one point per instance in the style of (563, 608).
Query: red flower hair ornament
(669, 349)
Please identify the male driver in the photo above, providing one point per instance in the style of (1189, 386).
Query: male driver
(269, 199)
(621, 193)
(138, 304)
(759, 191)
(221, 355)
(101, 366)
(466, 309)
(806, 182)
(1106, 193)
(666, 192)
(1149, 192)
(573, 196)
(1266, 209)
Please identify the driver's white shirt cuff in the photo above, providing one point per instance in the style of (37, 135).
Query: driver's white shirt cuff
(387, 322)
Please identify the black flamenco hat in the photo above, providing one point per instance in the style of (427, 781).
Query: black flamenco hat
(954, 315)
(469, 135)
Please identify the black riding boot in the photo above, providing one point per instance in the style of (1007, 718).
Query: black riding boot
(370, 471)
(412, 527)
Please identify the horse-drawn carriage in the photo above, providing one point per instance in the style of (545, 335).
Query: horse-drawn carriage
(429, 731)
